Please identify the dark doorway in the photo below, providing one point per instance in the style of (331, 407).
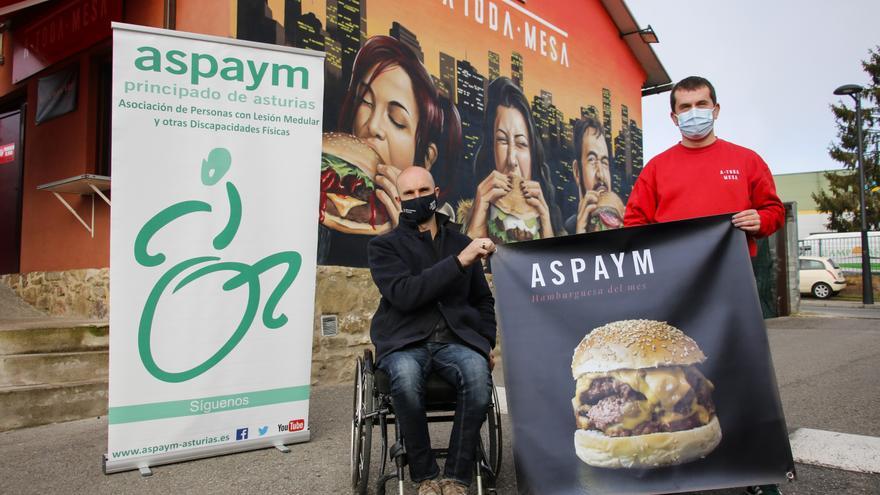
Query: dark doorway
(11, 160)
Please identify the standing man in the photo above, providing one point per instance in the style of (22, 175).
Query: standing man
(436, 314)
(591, 169)
(704, 175)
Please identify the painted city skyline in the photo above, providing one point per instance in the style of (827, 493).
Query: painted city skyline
(341, 27)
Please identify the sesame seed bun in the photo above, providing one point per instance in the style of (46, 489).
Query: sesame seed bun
(634, 344)
(608, 199)
(354, 150)
(514, 202)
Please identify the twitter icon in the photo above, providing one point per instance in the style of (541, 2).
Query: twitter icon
(263, 430)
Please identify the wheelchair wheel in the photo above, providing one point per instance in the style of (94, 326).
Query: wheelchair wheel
(490, 437)
(361, 429)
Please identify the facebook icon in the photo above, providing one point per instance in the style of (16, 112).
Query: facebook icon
(241, 434)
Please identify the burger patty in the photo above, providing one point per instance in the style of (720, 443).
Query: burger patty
(608, 401)
(360, 213)
(703, 388)
(606, 387)
(610, 410)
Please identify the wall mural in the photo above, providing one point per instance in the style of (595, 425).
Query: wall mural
(528, 116)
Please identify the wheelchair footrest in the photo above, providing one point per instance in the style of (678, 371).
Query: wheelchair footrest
(397, 450)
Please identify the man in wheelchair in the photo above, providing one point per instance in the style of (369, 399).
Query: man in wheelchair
(437, 315)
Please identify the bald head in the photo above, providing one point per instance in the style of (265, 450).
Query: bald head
(414, 182)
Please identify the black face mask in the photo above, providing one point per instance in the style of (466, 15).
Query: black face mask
(418, 210)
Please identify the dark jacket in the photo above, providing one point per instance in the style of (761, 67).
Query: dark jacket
(412, 282)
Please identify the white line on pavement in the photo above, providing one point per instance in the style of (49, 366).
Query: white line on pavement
(836, 450)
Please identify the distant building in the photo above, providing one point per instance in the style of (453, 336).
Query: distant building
(471, 105)
(331, 18)
(447, 75)
(622, 159)
(590, 111)
(636, 152)
(494, 66)
(441, 86)
(292, 13)
(334, 57)
(516, 69)
(408, 38)
(470, 89)
(255, 22)
(606, 115)
(800, 187)
(309, 32)
(350, 23)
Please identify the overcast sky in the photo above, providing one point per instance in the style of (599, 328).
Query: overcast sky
(774, 64)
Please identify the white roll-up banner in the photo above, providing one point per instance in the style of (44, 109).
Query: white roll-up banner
(216, 151)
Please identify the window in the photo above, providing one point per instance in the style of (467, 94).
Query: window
(811, 265)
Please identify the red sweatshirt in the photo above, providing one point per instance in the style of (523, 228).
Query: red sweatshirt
(683, 183)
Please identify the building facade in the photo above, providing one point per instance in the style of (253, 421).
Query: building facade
(56, 171)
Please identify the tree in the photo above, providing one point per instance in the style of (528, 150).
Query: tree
(841, 200)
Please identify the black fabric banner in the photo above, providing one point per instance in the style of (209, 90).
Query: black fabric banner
(672, 388)
(56, 94)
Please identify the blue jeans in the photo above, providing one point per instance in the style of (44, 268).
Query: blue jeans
(462, 367)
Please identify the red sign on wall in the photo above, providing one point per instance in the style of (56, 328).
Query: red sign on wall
(7, 153)
(61, 31)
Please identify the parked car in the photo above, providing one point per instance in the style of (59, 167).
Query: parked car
(820, 277)
(844, 247)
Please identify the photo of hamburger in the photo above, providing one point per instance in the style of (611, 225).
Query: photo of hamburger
(640, 401)
(608, 213)
(348, 191)
(511, 218)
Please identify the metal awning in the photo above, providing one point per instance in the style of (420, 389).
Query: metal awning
(656, 79)
(82, 185)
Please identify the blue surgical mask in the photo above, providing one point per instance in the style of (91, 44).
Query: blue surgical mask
(696, 123)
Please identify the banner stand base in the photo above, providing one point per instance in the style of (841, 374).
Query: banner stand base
(283, 448)
(144, 464)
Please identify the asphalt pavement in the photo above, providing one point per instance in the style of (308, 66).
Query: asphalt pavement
(826, 365)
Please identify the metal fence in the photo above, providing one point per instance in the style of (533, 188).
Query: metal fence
(845, 251)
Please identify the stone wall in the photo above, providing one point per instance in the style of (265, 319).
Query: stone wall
(76, 293)
(349, 294)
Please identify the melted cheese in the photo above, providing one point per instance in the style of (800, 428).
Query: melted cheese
(344, 203)
(583, 384)
(663, 388)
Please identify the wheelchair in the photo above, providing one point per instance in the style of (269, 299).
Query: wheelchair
(372, 406)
